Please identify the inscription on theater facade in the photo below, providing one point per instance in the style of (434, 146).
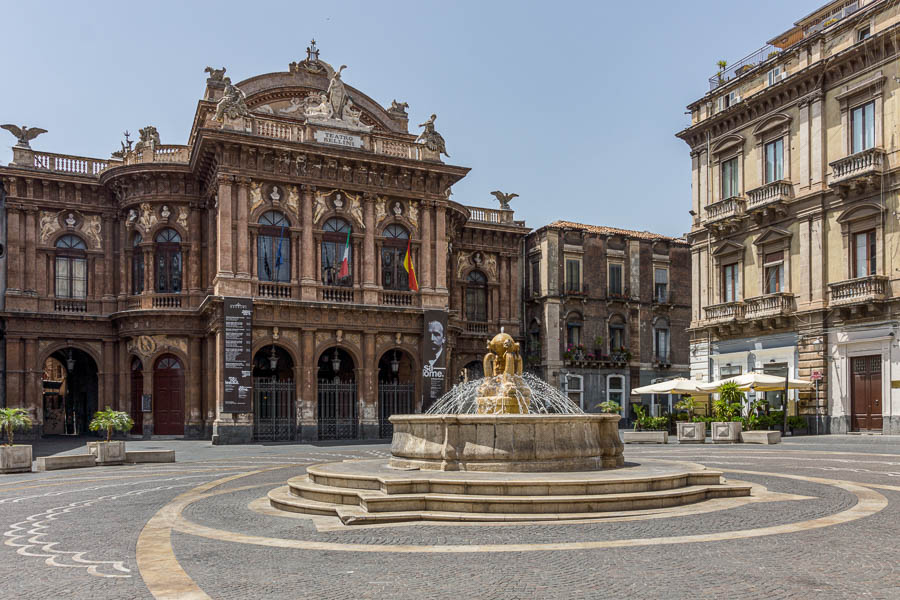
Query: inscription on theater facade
(238, 341)
(338, 139)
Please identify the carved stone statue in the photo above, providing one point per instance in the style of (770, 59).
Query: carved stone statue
(337, 95)
(233, 103)
(503, 390)
(149, 138)
(398, 109)
(70, 220)
(431, 138)
(275, 196)
(503, 199)
(397, 208)
(215, 74)
(165, 212)
(23, 134)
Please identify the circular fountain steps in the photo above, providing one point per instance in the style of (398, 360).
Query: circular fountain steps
(368, 491)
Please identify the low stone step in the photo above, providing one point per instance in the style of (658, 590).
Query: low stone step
(70, 461)
(512, 485)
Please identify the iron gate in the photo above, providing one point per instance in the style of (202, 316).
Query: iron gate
(338, 414)
(273, 409)
(393, 399)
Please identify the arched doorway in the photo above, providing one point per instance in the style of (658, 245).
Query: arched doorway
(473, 370)
(273, 395)
(74, 391)
(396, 389)
(168, 396)
(338, 417)
(137, 392)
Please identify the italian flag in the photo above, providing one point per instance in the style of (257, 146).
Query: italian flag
(410, 270)
(345, 263)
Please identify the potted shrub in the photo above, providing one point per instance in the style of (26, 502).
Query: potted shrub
(109, 452)
(14, 459)
(690, 431)
(797, 425)
(726, 425)
(610, 407)
(647, 429)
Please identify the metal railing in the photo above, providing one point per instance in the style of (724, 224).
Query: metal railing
(748, 63)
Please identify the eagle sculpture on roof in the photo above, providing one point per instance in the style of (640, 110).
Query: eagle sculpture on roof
(503, 199)
(24, 134)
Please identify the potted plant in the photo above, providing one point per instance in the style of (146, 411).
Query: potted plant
(689, 431)
(598, 345)
(797, 425)
(726, 426)
(14, 459)
(109, 452)
(610, 406)
(647, 429)
(721, 64)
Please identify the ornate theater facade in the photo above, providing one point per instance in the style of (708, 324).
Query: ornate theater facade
(297, 270)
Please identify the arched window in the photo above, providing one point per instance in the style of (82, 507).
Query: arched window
(617, 341)
(335, 252)
(168, 262)
(71, 267)
(273, 247)
(393, 253)
(137, 265)
(574, 323)
(661, 342)
(476, 296)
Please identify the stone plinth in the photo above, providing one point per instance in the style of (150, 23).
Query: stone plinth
(519, 443)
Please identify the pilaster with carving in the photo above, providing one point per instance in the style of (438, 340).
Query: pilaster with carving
(370, 295)
(308, 269)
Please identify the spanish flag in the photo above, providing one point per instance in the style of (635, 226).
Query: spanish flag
(410, 270)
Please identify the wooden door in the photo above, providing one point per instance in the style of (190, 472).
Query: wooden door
(168, 397)
(865, 393)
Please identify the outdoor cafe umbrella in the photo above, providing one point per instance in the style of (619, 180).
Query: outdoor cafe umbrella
(679, 385)
(758, 382)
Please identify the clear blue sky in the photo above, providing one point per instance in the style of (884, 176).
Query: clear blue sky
(572, 105)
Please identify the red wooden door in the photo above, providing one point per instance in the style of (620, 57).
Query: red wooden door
(168, 397)
(137, 390)
(865, 393)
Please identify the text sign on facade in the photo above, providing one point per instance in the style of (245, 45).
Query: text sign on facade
(338, 139)
(434, 357)
(238, 344)
(815, 375)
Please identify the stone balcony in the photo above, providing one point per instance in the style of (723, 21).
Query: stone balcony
(857, 171)
(727, 312)
(725, 215)
(861, 290)
(769, 198)
(770, 305)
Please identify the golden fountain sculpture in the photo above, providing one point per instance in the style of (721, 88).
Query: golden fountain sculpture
(503, 391)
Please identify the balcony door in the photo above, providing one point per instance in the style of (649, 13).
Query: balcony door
(865, 393)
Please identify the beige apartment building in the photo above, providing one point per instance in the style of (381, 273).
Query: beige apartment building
(796, 223)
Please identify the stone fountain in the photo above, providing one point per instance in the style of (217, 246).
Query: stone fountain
(507, 447)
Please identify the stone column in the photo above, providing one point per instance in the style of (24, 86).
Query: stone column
(108, 258)
(426, 215)
(307, 250)
(32, 397)
(440, 254)
(505, 292)
(370, 294)
(125, 253)
(30, 234)
(224, 250)
(14, 247)
(368, 404)
(15, 392)
(242, 246)
(194, 427)
(147, 417)
(212, 244)
(107, 376)
(149, 279)
(194, 284)
(307, 387)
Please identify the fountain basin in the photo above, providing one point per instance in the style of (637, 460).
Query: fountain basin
(506, 442)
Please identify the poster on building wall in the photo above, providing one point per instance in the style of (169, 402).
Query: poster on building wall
(434, 357)
(238, 347)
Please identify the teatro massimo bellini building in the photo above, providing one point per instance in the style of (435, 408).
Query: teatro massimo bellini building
(250, 285)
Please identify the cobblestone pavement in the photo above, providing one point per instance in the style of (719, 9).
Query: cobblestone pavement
(96, 533)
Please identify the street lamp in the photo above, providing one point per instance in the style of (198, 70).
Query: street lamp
(273, 359)
(336, 362)
(70, 362)
(395, 364)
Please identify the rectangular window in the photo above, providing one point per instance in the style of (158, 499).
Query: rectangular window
(62, 277)
(775, 161)
(616, 391)
(575, 389)
(616, 337)
(775, 399)
(661, 285)
(661, 344)
(729, 371)
(573, 275)
(864, 254)
(729, 283)
(615, 280)
(730, 178)
(863, 34)
(574, 334)
(862, 125)
(536, 278)
(777, 74)
(774, 272)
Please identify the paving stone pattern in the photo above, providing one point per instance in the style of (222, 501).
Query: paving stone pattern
(92, 518)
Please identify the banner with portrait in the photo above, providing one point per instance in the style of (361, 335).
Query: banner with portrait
(434, 357)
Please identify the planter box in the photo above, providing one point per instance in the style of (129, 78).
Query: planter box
(15, 459)
(726, 432)
(646, 437)
(108, 453)
(761, 437)
(691, 433)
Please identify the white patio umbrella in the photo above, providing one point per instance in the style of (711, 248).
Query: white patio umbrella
(757, 382)
(679, 385)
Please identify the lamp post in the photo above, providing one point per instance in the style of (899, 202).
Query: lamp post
(395, 366)
(336, 365)
(273, 359)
